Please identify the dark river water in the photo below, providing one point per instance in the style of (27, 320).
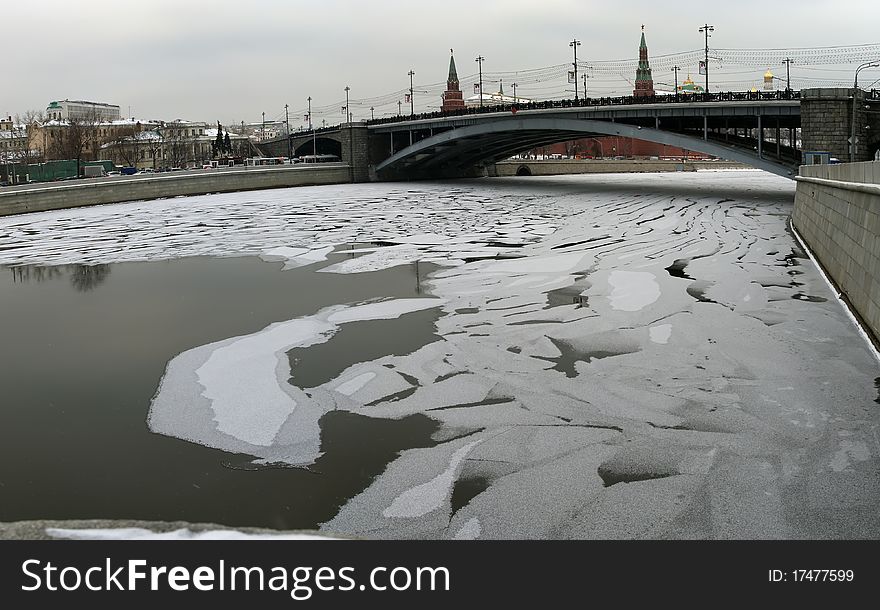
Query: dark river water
(84, 348)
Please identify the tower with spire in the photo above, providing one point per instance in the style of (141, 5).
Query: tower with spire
(644, 80)
(452, 99)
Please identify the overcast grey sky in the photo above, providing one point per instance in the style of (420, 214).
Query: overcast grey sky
(232, 60)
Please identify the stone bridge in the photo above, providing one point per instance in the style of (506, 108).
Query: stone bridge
(766, 131)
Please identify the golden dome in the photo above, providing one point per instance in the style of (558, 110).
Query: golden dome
(768, 75)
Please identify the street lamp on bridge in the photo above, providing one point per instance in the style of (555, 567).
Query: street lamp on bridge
(574, 44)
(312, 129)
(412, 106)
(853, 139)
(707, 28)
(480, 59)
(787, 62)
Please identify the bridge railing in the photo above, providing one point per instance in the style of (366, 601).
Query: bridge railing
(626, 100)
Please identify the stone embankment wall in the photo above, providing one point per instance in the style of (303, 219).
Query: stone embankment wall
(54, 196)
(837, 212)
(600, 166)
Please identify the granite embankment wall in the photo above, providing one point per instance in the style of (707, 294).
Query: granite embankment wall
(837, 212)
(54, 196)
(599, 166)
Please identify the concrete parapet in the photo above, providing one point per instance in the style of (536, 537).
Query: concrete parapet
(40, 198)
(837, 212)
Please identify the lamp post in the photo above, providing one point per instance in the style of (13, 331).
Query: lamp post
(853, 139)
(480, 59)
(350, 137)
(412, 105)
(399, 105)
(584, 78)
(372, 115)
(707, 28)
(574, 44)
(312, 129)
(787, 62)
(676, 69)
(514, 93)
(263, 128)
(287, 120)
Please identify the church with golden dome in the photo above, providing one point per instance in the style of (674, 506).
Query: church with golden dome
(688, 86)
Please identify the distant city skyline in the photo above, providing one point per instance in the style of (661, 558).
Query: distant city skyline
(231, 62)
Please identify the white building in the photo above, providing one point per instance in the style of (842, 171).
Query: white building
(66, 110)
(261, 132)
(494, 99)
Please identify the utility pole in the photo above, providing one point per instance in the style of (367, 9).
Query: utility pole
(676, 69)
(412, 104)
(263, 128)
(287, 120)
(312, 129)
(584, 78)
(399, 104)
(350, 136)
(514, 92)
(574, 44)
(480, 59)
(707, 28)
(787, 62)
(372, 115)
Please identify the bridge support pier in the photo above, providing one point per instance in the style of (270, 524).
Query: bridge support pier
(827, 122)
(760, 138)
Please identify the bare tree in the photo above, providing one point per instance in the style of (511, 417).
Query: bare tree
(127, 144)
(76, 139)
(176, 148)
(23, 128)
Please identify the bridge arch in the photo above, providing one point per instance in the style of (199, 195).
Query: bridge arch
(320, 146)
(463, 147)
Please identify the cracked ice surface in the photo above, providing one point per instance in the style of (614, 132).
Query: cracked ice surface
(294, 225)
(643, 368)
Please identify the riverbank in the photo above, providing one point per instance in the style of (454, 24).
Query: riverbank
(85, 192)
(96, 191)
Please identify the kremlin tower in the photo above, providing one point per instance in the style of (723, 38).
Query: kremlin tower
(644, 80)
(452, 96)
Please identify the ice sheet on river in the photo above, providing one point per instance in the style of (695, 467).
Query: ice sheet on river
(632, 356)
(235, 394)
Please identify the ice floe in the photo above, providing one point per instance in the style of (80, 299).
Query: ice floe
(235, 394)
(632, 290)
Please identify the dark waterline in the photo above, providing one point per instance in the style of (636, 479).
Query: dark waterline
(83, 349)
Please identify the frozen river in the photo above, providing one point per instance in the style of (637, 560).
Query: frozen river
(615, 356)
